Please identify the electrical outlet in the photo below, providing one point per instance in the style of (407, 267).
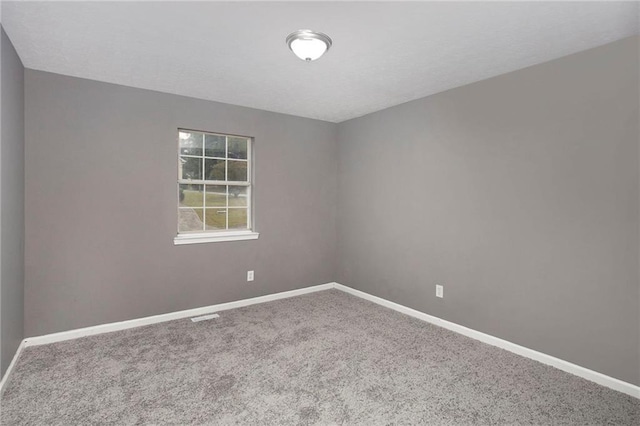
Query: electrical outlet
(439, 291)
(249, 275)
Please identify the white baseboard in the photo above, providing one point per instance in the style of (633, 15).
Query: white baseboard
(123, 325)
(7, 374)
(558, 363)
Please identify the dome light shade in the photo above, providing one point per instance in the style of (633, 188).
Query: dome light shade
(308, 45)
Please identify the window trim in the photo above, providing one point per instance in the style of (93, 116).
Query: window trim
(197, 237)
(214, 237)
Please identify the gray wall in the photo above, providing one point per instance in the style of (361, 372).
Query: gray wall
(519, 194)
(11, 203)
(101, 205)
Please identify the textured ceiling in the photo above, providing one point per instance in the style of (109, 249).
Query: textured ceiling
(384, 54)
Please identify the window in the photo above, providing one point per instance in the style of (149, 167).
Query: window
(214, 187)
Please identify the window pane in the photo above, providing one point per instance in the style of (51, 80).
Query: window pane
(216, 196)
(190, 143)
(214, 146)
(237, 218)
(190, 220)
(214, 169)
(237, 171)
(213, 157)
(190, 168)
(216, 218)
(191, 195)
(237, 148)
(238, 196)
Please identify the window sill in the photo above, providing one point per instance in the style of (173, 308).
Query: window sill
(215, 237)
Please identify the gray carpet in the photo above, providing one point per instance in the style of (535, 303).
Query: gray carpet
(322, 358)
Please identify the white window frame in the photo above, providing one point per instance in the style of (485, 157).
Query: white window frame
(212, 236)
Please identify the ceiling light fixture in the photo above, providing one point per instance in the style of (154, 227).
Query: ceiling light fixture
(308, 45)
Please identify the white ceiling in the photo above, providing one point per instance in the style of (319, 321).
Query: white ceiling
(384, 54)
